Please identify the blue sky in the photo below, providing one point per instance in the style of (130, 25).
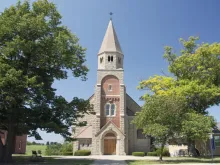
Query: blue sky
(143, 27)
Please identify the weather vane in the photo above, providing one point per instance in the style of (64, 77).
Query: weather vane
(110, 15)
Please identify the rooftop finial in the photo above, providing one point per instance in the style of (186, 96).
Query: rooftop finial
(110, 15)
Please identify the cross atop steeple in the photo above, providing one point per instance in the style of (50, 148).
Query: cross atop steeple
(110, 15)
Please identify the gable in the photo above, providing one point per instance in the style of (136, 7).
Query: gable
(109, 126)
(132, 107)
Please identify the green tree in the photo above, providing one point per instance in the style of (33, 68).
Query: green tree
(195, 76)
(161, 118)
(35, 50)
(196, 126)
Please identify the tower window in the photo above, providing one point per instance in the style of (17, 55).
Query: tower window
(119, 60)
(101, 59)
(109, 58)
(110, 109)
(109, 87)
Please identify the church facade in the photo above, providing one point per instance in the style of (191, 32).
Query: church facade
(109, 131)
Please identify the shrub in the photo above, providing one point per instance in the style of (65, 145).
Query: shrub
(67, 147)
(82, 153)
(165, 152)
(67, 153)
(152, 154)
(138, 153)
(53, 149)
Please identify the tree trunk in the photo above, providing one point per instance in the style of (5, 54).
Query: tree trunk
(192, 148)
(162, 147)
(1, 150)
(8, 149)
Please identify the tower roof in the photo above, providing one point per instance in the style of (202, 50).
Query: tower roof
(110, 42)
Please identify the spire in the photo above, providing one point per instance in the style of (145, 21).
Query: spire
(110, 42)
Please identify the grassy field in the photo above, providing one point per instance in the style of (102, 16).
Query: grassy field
(28, 160)
(29, 149)
(174, 161)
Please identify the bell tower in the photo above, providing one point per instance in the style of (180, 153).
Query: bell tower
(110, 55)
(110, 92)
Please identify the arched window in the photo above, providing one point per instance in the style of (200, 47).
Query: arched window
(107, 109)
(110, 109)
(111, 58)
(101, 59)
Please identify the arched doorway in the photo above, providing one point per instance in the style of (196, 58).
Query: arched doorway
(110, 144)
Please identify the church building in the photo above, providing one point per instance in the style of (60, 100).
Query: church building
(109, 131)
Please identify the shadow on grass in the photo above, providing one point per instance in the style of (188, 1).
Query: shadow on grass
(174, 161)
(28, 160)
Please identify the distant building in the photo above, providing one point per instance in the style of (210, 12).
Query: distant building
(110, 131)
(203, 147)
(20, 142)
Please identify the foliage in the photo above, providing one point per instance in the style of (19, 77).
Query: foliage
(152, 154)
(54, 149)
(197, 126)
(195, 78)
(164, 153)
(67, 147)
(59, 149)
(34, 143)
(138, 153)
(161, 117)
(30, 148)
(82, 153)
(67, 153)
(35, 50)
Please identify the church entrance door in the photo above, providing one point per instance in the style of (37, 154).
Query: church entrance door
(110, 144)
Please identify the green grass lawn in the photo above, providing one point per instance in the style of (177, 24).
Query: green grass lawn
(174, 161)
(29, 149)
(28, 160)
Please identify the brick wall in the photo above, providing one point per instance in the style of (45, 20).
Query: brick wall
(112, 97)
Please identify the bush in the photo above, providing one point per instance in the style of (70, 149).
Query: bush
(152, 154)
(82, 153)
(67, 153)
(165, 152)
(53, 149)
(67, 147)
(138, 153)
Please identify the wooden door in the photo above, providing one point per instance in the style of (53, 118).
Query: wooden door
(109, 146)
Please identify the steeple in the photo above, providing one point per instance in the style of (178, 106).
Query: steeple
(110, 42)
(110, 56)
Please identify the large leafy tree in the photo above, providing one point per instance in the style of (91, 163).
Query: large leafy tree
(194, 77)
(35, 50)
(161, 117)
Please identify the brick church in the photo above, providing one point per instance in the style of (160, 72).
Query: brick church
(109, 131)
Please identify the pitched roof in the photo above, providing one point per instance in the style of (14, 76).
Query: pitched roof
(106, 125)
(110, 42)
(85, 133)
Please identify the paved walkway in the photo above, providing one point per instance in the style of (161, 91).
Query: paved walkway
(109, 162)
